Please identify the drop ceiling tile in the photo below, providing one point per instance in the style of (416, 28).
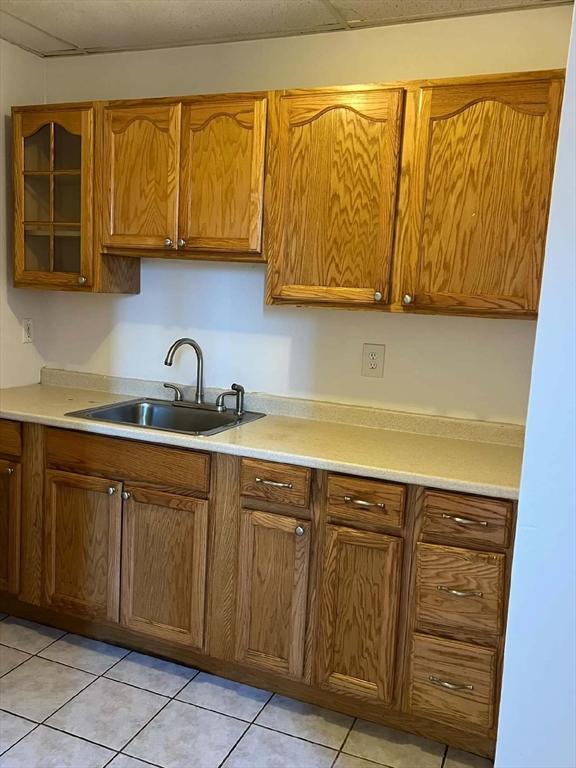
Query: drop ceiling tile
(114, 24)
(15, 31)
(365, 13)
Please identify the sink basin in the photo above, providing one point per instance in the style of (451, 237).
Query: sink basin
(186, 418)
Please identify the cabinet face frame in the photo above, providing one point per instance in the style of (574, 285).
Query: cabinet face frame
(11, 476)
(132, 511)
(382, 688)
(110, 608)
(291, 110)
(293, 663)
(165, 121)
(78, 120)
(241, 113)
(532, 96)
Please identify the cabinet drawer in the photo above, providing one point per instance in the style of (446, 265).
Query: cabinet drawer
(147, 464)
(452, 681)
(355, 499)
(10, 438)
(459, 589)
(467, 519)
(283, 483)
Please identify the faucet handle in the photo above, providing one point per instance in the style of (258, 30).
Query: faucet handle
(178, 396)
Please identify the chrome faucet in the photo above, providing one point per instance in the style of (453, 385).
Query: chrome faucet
(199, 399)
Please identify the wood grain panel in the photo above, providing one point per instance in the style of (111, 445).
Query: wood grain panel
(474, 219)
(141, 171)
(187, 472)
(358, 500)
(464, 519)
(164, 547)
(472, 670)
(222, 181)
(10, 484)
(272, 592)
(82, 530)
(331, 194)
(481, 574)
(32, 518)
(10, 438)
(272, 481)
(360, 597)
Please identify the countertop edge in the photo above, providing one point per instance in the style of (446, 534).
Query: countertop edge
(198, 442)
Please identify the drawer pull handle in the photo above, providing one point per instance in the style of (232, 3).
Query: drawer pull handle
(273, 483)
(362, 503)
(464, 520)
(460, 592)
(450, 686)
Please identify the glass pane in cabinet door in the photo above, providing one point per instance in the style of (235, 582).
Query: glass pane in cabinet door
(67, 198)
(36, 198)
(36, 249)
(67, 150)
(67, 250)
(37, 150)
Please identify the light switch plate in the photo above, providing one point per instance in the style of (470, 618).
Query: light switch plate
(373, 360)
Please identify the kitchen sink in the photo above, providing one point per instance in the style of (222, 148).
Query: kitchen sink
(186, 418)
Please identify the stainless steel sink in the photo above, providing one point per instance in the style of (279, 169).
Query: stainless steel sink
(187, 418)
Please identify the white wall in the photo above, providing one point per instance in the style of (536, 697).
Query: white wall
(21, 82)
(455, 366)
(538, 715)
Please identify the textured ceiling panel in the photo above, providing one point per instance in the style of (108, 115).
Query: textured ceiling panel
(106, 24)
(26, 36)
(366, 13)
(57, 27)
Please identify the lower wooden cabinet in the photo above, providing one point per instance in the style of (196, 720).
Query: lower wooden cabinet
(272, 591)
(82, 528)
(164, 544)
(10, 473)
(360, 598)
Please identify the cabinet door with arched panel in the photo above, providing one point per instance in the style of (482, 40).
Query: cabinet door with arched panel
(331, 195)
(479, 157)
(141, 149)
(222, 174)
(53, 196)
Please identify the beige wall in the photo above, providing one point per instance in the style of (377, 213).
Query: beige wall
(456, 366)
(21, 82)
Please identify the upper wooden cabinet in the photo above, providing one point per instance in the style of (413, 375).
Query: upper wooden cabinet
(140, 168)
(222, 175)
(184, 177)
(53, 204)
(478, 159)
(333, 160)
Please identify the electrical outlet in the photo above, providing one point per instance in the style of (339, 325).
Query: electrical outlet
(373, 360)
(27, 330)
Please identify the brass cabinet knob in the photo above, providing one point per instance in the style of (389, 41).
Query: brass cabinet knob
(377, 296)
(299, 530)
(125, 495)
(168, 242)
(181, 243)
(407, 299)
(81, 280)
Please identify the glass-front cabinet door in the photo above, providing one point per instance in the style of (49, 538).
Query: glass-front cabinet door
(53, 185)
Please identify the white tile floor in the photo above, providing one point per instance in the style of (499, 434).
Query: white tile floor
(70, 702)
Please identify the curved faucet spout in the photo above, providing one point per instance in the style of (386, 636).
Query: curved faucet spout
(199, 399)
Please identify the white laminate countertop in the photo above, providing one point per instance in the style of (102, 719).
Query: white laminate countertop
(488, 469)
